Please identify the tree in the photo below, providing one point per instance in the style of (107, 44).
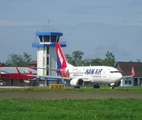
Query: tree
(93, 62)
(69, 58)
(110, 59)
(26, 58)
(75, 59)
(138, 60)
(18, 60)
(96, 61)
(87, 62)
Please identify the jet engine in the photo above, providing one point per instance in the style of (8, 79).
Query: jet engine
(77, 82)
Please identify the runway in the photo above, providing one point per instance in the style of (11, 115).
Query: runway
(57, 95)
(39, 95)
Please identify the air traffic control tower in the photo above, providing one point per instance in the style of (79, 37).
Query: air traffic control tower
(46, 53)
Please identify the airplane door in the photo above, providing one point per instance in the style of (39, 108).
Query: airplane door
(108, 75)
(104, 75)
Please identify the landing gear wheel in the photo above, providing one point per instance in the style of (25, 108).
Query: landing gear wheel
(111, 87)
(96, 86)
(77, 87)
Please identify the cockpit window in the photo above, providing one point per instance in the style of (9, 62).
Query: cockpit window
(114, 71)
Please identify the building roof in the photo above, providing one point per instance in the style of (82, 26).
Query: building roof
(13, 70)
(49, 34)
(126, 67)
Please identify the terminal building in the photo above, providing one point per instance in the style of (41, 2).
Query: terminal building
(125, 67)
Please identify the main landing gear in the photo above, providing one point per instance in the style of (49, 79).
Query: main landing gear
(77, 87)
(96, 86)
(111, 87)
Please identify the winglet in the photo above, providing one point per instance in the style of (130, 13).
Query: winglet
(18, 70)
(133, 72)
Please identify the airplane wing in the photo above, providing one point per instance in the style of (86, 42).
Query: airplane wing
(57, 77)
(52, 69)
(45, 76)
(86, 80)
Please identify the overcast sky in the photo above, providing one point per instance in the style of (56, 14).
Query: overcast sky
(91, 26)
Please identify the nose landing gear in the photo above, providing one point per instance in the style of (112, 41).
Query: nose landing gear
(111, 87)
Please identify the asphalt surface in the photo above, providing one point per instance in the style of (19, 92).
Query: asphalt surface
(47, 95)
(68, 95)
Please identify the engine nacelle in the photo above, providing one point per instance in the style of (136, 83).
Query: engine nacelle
(77, 82)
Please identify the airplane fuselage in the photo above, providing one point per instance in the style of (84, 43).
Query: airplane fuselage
(96, 74)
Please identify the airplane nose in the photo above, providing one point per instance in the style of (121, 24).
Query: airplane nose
(120, 76)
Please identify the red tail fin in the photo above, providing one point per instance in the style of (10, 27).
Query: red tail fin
(61, 60)
(133, 72)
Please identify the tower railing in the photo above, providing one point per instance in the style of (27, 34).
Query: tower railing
(50, 43)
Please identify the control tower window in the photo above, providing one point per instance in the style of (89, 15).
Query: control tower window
(47, 72)
(40, 37)
(47, 50)
(57, 39)
(47, 60)
(53, 38)
(46, 38)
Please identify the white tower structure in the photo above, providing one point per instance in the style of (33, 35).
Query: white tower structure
(46, 53)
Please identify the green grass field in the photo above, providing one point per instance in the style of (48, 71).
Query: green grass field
(70, 109)
(103, 89)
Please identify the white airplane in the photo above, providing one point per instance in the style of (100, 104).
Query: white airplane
(87, 74)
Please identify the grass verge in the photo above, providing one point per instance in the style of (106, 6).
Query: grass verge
(67, 109)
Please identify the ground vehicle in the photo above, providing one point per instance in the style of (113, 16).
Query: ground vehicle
(2, 83)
